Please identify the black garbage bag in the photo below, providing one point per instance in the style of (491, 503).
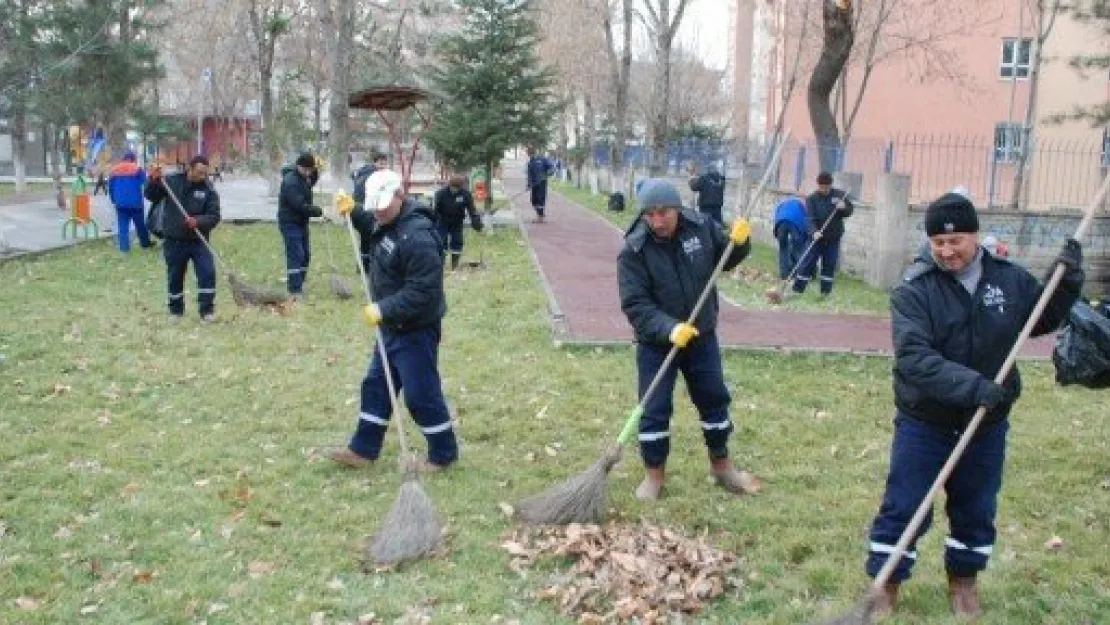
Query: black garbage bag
(1082, 354)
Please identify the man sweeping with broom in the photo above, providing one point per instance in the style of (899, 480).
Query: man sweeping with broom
(183, 229)
(406, 276)
(955, 317)
(669, 256)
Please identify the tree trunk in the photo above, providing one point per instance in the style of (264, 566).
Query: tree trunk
(837, 43)
(661, 90)
(621, 75)
(588, 138)
(269, 132)
(339, 113)
(1044, 24)
(19, 144)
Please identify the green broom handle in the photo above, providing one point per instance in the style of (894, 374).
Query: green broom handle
(634, 416)
(927, 503)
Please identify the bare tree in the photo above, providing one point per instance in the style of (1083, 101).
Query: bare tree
(339, 29)
(662, 26)
(1044, 16)
(789, 81)
(838, 38)
(268, 20)
(620, 71)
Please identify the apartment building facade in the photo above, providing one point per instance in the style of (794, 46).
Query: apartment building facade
(962, 122)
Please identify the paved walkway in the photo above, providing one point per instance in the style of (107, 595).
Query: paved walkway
(576, 251)
(35, 224)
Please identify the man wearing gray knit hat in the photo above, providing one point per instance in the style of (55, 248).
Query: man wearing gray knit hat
(668, 258)
(955, 317)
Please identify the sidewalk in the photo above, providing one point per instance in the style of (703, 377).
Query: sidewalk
(35, 225)
(576, 254)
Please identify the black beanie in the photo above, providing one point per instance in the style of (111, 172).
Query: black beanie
(306, 160)
(951, 213)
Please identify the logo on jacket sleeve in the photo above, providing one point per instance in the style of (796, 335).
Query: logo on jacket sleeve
(993, 296)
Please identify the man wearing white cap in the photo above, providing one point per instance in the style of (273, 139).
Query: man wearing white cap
(406, 277)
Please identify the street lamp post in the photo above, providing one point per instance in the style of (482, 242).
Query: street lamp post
(206, 77)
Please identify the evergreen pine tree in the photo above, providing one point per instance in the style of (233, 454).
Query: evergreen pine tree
(496, 93)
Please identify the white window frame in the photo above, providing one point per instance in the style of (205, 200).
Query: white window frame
(1007, 69)
(1008, 141)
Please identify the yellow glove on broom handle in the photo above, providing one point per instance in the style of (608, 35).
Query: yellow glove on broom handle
(634, 416)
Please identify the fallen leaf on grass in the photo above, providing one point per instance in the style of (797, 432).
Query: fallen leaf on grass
(89, 609)
(60, 389)
(336, 584)
(257, 568)
(27, 603)
(369, 619)
(141, 576)
(1054, 544)
(506, 509)
(317, 618)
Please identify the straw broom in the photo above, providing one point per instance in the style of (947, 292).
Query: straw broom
(582, 498)
(412, 527)
(862, 612)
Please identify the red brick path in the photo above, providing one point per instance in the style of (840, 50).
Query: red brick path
(576, 251)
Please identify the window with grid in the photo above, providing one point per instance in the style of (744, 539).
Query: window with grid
(1008, 140)
(1015, 57)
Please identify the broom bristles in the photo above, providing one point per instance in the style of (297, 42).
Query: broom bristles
(339, 288)
(410, 530)
(860, 614)
(246, 295)
(581, 499)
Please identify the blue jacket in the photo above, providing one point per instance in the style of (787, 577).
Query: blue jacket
(125, 185)
(791, 211)
(539, 169)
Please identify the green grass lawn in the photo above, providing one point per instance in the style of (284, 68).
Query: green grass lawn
(157, 473)
(7, 189)
(759, 272)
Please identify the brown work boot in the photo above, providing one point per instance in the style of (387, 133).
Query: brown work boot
(735, 482)
(348, 458)
(884, 601)
(963, 596)
(652, 487)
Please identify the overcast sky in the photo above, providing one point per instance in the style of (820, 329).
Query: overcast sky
(708, 23)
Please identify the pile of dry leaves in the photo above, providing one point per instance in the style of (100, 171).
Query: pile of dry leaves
(624, 572)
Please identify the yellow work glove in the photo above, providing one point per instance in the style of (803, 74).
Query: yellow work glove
(344, 203)
(682, 334)
(741, 230)
(372, 315)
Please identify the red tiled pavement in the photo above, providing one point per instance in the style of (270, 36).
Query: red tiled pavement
(576, 251)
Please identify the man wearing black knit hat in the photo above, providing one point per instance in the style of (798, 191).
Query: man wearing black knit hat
(955, 317)
(295, 208)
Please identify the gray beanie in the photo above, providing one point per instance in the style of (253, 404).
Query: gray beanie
(659, 193)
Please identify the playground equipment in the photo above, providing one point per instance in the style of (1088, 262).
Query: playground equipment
(81, 216)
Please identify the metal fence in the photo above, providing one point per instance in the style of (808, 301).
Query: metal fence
(1058, 174)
